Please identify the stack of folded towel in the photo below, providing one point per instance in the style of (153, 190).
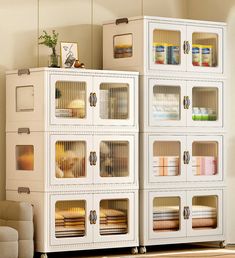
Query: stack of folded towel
(165, 165)
(166, 218)
(113, 221)
(204, 165)
(70, 223)
(204, 217)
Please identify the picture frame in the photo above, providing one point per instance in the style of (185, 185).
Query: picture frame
(68, 54)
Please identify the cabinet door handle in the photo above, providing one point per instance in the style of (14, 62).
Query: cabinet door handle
(91, 99)
(91, 217)
(23, 130)
(94, 99)
(186, 157)
(188, 47)
(94, 158)
(94, 217)
(91, 158)
(184, 47)
(186, 102)
(186, 212)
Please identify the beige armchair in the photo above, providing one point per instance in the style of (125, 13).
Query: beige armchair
(16, 230)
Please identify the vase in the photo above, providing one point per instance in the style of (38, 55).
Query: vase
(54, 60)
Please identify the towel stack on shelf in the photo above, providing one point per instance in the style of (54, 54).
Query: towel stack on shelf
(113, 222)
(204, 217)
(70, 223)
(165, 165)
(165, 106)
(166, 218)
(204, 165)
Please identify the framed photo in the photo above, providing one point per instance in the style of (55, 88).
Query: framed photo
(68, 53)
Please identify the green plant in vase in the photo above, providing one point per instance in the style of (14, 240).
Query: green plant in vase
(51, 42)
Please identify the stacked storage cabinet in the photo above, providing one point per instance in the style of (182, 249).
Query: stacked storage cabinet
(182, 85)
(72, 151)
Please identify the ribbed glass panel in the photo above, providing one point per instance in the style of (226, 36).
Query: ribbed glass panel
(70, 99)
(70, 219)
(114, 159)
(114, 216)
(70, 159)
(114, 101)
(166, 214)
(204, 212)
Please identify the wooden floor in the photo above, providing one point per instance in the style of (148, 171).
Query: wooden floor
(172, 251)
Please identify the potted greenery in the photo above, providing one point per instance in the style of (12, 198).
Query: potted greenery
(51, 42)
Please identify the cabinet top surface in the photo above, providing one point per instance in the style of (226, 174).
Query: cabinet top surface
(171, 20)
(75, 71)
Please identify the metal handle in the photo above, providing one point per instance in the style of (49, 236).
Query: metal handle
(94, 158)
(186, 212)
(186, 102)
(94, 99)
(94, 217)
(186, 157)
(91, 158)
(91, 217)
(23, 130)
(122, 20)
(186, 47)
(23, 71)
(22, 190)
(91, 99)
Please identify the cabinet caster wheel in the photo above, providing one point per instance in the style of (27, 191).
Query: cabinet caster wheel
(143, 250)
(43, 256)
(134, 250)
(222, 244)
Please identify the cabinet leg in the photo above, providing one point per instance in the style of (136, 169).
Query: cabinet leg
(143, 250)
(43, 256)
(134, 250)
(222, 244)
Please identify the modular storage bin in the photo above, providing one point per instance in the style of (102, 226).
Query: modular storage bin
(180, 216)
(47, 99)
(68, 221)
(150, 44)
(190, 105)
(59, 161)
(181, 159)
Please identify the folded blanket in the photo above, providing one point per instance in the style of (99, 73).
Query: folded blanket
(198, 223)
(165, 209)
(165, 224)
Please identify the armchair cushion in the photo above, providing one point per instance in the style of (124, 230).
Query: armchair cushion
(8, 242)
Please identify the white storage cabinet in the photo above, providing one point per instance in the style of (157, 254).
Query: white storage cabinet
(151, 44)
(65, 162)
(181, 216)
(54, 220)
(180, 104)
(173, 160)
(47, 99)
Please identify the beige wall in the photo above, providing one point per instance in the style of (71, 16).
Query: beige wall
(218, 10)
(80, 20)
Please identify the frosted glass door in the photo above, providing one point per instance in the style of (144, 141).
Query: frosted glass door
(115, 101)
(70, 159)
(206, 158)
(25, 161)
(115, 217)
(165, 49)
(166, 103)
(166, 161)
(206, 52)
(116, 159)
(165, 214)
(206, 212)
(70, 100)
(70, 219)
(206, 107)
